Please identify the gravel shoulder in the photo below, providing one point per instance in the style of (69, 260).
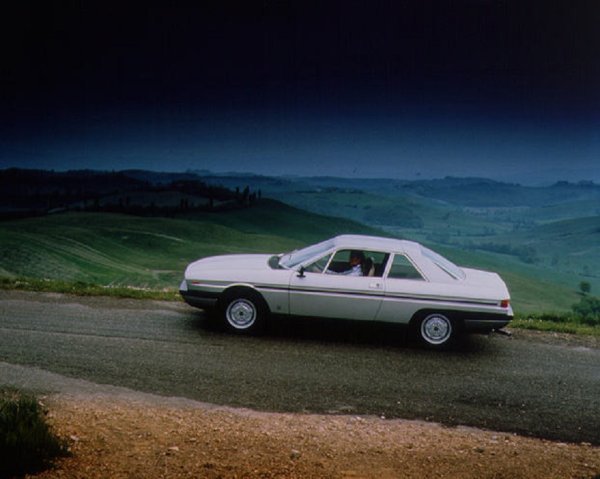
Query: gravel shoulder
(122, 433)
(128, 434)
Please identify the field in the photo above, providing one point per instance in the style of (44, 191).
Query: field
(122, 250)
(140, 229)
(545, 240)
(148, 252)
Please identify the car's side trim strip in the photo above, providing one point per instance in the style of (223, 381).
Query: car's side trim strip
(441, 299)
(380, 295)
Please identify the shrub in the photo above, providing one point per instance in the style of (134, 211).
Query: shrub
(585, 287)
(588, 310)
(27, 444)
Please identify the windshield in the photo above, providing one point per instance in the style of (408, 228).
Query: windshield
(296, 258)
(447, 265)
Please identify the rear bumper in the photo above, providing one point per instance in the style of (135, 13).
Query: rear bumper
(485, 322)
(484, 326)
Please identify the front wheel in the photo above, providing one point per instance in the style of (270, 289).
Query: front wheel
(244, 313)
(436, 331)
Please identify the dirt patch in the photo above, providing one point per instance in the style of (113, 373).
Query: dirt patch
(150, 437)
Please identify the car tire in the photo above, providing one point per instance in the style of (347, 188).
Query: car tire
(436, 331)
(243, 312)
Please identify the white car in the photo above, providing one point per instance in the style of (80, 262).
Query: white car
(352, 277)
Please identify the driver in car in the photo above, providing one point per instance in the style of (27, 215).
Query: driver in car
(357, 259)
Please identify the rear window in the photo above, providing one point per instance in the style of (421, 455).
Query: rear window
(444, 264)
(402, 268)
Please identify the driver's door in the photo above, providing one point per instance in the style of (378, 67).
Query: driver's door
(315, 293)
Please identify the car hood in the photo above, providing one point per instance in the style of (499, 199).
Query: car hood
(229, 262)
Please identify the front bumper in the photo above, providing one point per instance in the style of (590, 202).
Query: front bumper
(198, 299)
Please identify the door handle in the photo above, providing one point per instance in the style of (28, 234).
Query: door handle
(374, 285)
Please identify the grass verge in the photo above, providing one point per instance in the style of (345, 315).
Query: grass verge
(555, 322)
(85, 289)
(27, 444)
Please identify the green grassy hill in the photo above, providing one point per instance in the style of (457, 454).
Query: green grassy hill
(121, 250)
(562, 252)
(571, 246)
(284, 221)
(361, 206)
(544, 241)
(112, 249)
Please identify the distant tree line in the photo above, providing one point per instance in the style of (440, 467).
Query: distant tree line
(197, 196)
(37, 192)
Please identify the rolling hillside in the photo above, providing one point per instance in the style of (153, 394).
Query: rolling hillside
(114, 249)
(550, 234)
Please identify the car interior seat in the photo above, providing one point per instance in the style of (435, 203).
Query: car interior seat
(368, 267)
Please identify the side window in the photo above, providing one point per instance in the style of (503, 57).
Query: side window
(402, 268)
(340, 262)
(319, 265)
(372, 263)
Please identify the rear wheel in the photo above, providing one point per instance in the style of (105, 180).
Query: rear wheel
(436, 331)
(243, 312)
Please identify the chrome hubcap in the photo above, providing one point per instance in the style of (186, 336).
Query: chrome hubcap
(436, 329)
(241, 313)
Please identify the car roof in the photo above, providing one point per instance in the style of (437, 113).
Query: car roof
(375, 243)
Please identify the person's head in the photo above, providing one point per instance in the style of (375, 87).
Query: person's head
(356, 257)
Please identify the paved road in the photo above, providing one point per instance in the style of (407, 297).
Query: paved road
(519, 385)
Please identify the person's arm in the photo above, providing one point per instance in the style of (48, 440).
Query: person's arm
(354, 271)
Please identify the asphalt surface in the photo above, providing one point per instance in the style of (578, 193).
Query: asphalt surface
(534, 385)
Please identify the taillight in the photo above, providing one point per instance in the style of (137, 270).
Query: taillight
(505, 303)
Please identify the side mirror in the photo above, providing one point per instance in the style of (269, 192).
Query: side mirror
(301, 272)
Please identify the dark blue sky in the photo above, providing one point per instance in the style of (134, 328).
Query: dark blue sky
(492, 88)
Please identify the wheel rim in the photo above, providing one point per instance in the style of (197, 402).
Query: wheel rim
(436, 329)
(241, 313)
